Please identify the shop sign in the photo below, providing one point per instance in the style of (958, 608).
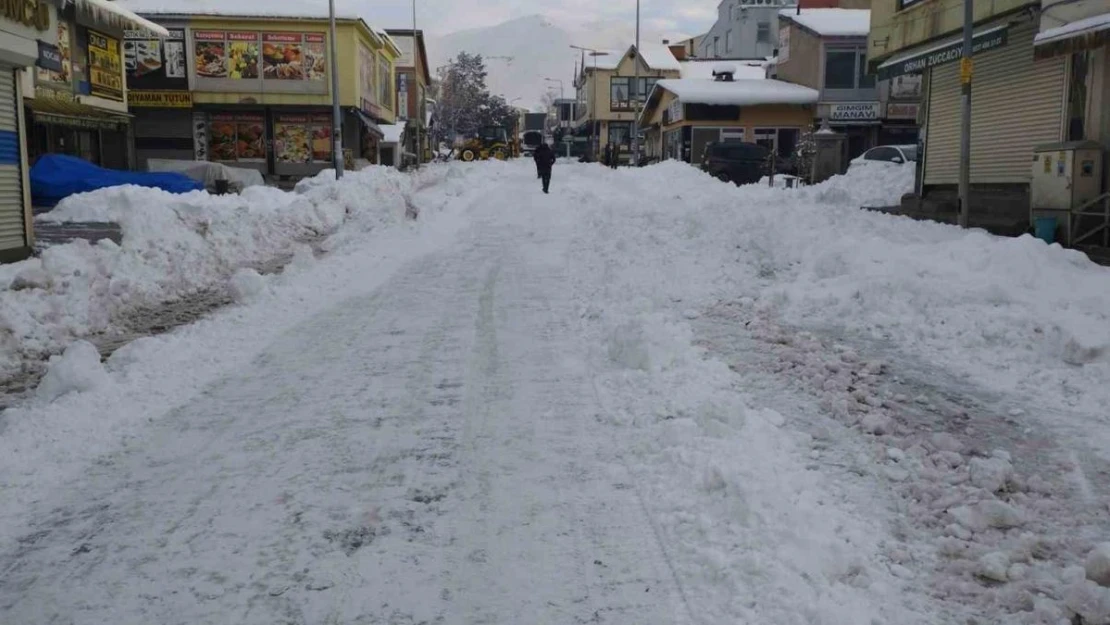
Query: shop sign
(953, 51)
(50, 57)
(160, 99)
(237, 137)
(105, 66)
(62, 75)
(895, 110)
(854, 112)
(289, 57)
(200, 136)
(50, 93)
(154, 63)
(402, 95)
(31, 13)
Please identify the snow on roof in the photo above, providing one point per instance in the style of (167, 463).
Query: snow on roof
(115, 14)
(743, 92)
(1074, 29)
(832, 22)
(391, 132)
(704, 69)
(656, 56)
(659, 57)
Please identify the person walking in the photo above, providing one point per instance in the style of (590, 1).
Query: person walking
(616, 158)
(545, 159)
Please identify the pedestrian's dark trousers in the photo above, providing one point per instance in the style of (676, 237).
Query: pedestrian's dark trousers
(546, 176)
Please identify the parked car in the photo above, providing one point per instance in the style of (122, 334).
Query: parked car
(736, 161)
(899, 154)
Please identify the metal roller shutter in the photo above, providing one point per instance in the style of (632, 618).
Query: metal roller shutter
(1016, 104)
(12, 227)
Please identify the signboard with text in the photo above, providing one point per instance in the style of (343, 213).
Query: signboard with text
(105, 66)
(155, 63)
(854, 112)
(941, 55)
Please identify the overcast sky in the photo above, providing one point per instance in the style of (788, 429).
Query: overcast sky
(441, 16)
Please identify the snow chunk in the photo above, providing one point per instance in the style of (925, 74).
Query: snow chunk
(247, 285)
(78, 369)
(993, 566)
(988, 514)
(1098, 565)
(991, 474)
(32, 278)
(877, 424)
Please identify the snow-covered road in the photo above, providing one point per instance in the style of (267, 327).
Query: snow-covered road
(425, 453)
(646, 398)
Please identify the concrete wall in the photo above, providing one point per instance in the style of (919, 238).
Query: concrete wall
(806, 60)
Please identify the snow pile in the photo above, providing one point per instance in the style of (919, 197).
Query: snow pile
(741, 91)
(174, 246)
(980, 519)
(832, 22)
(77, 370)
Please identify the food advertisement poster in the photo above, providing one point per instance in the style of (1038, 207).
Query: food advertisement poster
(302, 138)
(284, 58)
(237, 137)
(65, 48)
(153, 63)
(105, 66)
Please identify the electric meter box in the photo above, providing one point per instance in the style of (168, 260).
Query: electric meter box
(1065, 175)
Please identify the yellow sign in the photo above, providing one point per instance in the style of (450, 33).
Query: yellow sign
(160, 99)
(966, 67)
(33, 13)
(105, 68)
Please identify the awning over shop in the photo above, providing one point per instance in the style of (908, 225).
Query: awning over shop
(75, 115)
(369, 124)
(1076, 36)
(917, 61)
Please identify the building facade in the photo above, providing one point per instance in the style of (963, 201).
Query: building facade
(256, 91)
(683, 116)
(1017, 99)
(413, 80)
(23, 35)
(606, 93)
(745, 29)
(826, 49)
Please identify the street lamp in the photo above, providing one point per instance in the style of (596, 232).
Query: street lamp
(593, 97)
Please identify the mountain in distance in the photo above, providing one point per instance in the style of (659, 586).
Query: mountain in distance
(521, 53)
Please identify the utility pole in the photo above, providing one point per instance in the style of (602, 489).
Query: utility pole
(636, 90)
(966, 70)
(336, 115)
(420, 117)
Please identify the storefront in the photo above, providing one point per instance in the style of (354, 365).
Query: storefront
(158, 95)
(78, 105)
(858, 121)
(683, 116)
(27, 35)
(1016, 105)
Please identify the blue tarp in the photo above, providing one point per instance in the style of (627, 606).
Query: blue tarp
(56, 176)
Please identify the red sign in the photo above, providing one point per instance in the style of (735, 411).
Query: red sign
(242, 36)
(322, 118)
(281, 38)
(208, 35)
(292, 119)
(311, 38)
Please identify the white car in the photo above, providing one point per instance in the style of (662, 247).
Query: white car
(898, 154)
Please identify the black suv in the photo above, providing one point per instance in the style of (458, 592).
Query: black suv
(738, 162)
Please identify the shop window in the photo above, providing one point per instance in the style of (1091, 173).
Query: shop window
(620, 133)
(1077, 96)
(866, 80)
(763, 32)
(787, 139)
(237, 137)
(765, 137)
(302, 138)
(840, 69)
(619, 96)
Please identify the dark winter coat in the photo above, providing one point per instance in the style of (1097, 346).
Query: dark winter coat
(544, 157)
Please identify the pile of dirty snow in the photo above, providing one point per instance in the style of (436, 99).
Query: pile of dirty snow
(174, 246)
